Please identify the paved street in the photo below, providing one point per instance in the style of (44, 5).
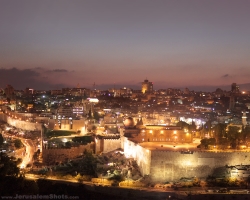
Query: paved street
(25, 153)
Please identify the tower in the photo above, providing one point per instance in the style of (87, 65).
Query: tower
(93, 91)
(147, 87)
(235, 88)
(244, 119)
(9, 91)
(41, 142)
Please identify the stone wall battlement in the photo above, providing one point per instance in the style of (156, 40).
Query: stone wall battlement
(51, 156)
(24, 125)
(174, 165)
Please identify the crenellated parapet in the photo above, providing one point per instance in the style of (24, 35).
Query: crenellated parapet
(52, 156)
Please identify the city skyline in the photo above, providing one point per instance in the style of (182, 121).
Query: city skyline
(193, 44)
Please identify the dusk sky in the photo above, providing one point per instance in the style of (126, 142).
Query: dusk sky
(50, 44)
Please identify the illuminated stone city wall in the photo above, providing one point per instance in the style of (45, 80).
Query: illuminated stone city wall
(51, 156)
(140, 154)
(106, 145)
(111, 145)
(79, 125)
(24, 125)
(66, 124)
(170, 165)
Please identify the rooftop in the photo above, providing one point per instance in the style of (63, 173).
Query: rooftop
(169, 146)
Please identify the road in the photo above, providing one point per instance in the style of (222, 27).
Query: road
(30, 148)
(139, 193)
(35, 177)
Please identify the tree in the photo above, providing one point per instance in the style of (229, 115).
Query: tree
(207, 127)
(93, 129)
(211, 180)
(116, 177)
(247, 181)
(96, 116)
(18, 143)
(233, 135)
(1, 140)
(182, 124)
(90, 114)
(68, 144)
(8, 166)
(79, 178)
(224, 142)
(246, 134)
(207, 142)
(89, 163)
(192, 127)
(19, 161)
(219, 131)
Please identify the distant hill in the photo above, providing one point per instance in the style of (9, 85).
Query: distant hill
(245, 86)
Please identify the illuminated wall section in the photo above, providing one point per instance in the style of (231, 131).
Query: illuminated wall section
(164, 135)
(140, 154)
(24, 125)
(172, 165)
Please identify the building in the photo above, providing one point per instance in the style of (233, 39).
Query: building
(81, 92)
(65, 111)
(235, 89)
(159, 133)
(29, 91)
(9, 91)
(147, 87)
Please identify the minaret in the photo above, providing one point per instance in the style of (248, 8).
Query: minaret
(41, 142)
(244, 118)
(114, 91)
(93, 92)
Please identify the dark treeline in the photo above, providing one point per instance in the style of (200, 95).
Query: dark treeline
(13, 182)
(12, 186)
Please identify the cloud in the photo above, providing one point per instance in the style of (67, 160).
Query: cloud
(40, 79)
(60, 70)
(32, 78)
